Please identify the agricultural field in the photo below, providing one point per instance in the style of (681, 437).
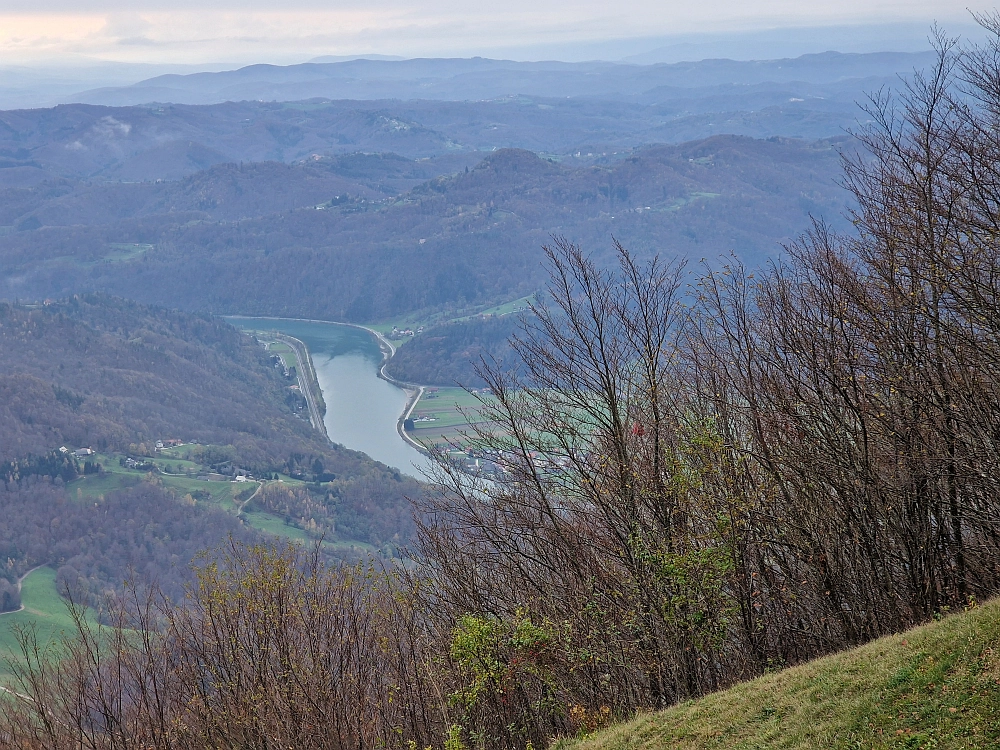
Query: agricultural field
(284, 351)
(443, 414)
(178, 474)
(432, 319)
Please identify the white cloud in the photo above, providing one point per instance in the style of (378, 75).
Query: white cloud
(187, 31)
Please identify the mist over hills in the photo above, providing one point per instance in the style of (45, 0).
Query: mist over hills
(457, 79)
(169, 142)
(439, 197)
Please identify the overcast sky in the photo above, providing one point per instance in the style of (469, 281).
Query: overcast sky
(201, 31)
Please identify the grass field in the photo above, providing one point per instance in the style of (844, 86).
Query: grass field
(43, 609)
(517, 305)
(437, 318)
(284, 351)
(272, 524)
(444, 406)
(937, 686)
(116, 477)
(125, 251)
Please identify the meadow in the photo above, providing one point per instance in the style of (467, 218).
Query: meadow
(44, 611)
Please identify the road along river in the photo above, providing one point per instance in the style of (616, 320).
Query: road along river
(362, 409)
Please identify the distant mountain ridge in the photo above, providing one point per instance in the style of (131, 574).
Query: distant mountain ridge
(464, 79)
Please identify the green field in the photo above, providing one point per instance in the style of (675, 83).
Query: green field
(444, 406)
(416, 320)
(937, 686)
(272, 524)
(125, 251)
(517, 305)
(43, 609)
(284, 351)
(116, 477)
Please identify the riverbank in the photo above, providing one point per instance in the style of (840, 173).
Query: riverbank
(308, 381)
(413, 391)
(353, 419)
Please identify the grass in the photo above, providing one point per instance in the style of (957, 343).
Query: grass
(430, 318)
(444, 406)
(116, 477)
(517, 305)
(275, 525)
(43, 609)
(272, 524)
(937, 686)
(125, 251)
(284, 351)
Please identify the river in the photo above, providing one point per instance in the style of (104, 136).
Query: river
(361, 408)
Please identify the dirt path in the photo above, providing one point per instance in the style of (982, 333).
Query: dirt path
(247, 501)
(19, 581)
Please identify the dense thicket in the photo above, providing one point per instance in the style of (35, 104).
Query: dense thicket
(448, 354)
(691, 493)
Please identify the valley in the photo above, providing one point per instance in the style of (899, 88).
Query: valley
(485, 404)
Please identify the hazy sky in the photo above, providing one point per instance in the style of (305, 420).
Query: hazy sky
(198, 31)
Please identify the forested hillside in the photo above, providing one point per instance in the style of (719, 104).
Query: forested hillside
(106, 373)
(117, 377)
(459, 240)
(450, 354)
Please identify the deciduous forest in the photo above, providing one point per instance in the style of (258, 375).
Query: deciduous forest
(707, 473)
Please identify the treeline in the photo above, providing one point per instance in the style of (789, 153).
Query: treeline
(52, 465)
(695, 489)
(448, 354)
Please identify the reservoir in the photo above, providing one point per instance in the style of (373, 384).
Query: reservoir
(361, 408)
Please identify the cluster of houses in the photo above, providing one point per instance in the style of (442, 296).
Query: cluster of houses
(136, 463)
(78, 453)
(398, 333)
(492, 465)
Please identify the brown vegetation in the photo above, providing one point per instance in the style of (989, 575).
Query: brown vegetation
(696, 489)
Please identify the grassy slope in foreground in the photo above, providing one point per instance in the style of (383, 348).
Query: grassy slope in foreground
(937, 686)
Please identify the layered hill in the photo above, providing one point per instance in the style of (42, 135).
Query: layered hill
(172, 126)
(469, 237)
(477, 78)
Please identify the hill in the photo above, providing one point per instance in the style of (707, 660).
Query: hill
(466, 238)
(115, 380)
(107, 373)
(172, 126)
(936, 686)
(457, 79)
(447, 354)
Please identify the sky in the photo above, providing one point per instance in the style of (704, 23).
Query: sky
(192, 32)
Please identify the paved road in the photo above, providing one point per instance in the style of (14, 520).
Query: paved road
(307, 378)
